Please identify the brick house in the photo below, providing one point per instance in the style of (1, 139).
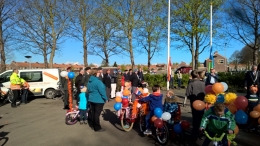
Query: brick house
(219, 62)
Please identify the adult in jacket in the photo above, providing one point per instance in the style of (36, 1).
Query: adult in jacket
(140, 74)
(107, 82)
(212, 77)
(64, 84)
(252, 78)
(80, 81)
(87, 75)
(97, 98)
(15, 86)
(135, 80)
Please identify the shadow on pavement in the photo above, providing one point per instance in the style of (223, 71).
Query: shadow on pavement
(111, 116)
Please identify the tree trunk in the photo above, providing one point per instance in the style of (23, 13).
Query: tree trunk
(131, 49)
(45, 49)
(45, 59)
(85, 48)
(196, 56)
(2, 50)
(52, 51)
(149, 59)
(255, 56)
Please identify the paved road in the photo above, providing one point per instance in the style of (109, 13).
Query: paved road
(41, 123)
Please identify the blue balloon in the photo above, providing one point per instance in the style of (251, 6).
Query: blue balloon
(241, 117)
(220, 98)
(124, 96)
(177, 128)
(117, 106)
(158, 112)
(71, 75)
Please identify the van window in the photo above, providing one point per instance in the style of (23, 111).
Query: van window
(32, 76)
(5, 77)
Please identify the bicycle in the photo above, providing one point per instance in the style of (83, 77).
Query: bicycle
(72, 117)
(8, 97)
(217, 139)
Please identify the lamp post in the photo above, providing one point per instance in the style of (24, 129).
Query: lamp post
(225, 57)
(29, 58)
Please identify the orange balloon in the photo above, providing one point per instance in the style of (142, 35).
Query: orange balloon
(153, 118)
(199, 105)
(118, 99)
(257, 108)
(259, 121)
(255, 114)
(232, 108)
(126, 92)
(236, 130)
(218, 88)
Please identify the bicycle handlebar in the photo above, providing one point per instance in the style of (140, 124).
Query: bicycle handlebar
(215, 138)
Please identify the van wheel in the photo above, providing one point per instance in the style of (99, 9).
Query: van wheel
(50, 93)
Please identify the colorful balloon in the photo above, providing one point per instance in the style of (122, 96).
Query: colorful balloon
(118, 99)
(220, 98)
(218, 88)
(71, 75)
(241, 117)
(124, 101)
(198, 105)
(158, 123)
(185, 125)
(158, 112)
(255, 114)
(225, 86)
(236, 130)
(166, 116)
(232, 108)
(208, 90)
(257, 108)
(126, 92)
(117, 106)
(177, 128)
(241, 102)
(153, 118)
(63, 73)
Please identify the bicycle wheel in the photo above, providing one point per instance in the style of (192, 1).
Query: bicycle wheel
(142, 124)
(162, 135)
(71, 119)
(10, 96)
(126, 124)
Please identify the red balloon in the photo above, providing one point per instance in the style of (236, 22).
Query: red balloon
(241, 102)
(158, 123)
(208, 90)
(185, 125)
(124, 101)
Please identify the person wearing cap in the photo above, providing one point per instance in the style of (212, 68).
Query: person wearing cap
(100, 76)
(212, 77)
(87, 75)
(135, 82)
(79, 81)
(64, 83)
(119, 84)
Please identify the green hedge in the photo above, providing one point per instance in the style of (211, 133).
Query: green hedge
(234, 80)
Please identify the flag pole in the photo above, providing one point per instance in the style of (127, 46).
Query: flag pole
(212, 63)
(168, 50)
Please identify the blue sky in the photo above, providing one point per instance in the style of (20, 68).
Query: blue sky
(72, 53)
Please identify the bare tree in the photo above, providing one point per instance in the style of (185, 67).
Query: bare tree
(244, 23)
(81, 18)
(7, 11)
(127, 13)
(103, 44)
(152, 28)
(33, 30)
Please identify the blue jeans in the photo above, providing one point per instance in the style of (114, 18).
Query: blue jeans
(83, 115)
(212, 134)
(24, 95)
(179, 83)
(148, 118)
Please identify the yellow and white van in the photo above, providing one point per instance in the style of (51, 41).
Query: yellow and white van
(43, 82)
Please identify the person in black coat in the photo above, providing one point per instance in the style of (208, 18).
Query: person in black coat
(107, 81)
(140, 74)
(101, 76)
(64, 84)
(252, 78)
(87, 75)
(79, 81)
(135, 80)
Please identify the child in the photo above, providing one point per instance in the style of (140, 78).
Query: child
(83, 105)
(171, 105)
(155, 100)
(217, 120)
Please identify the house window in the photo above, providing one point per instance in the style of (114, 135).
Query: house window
(220, 61)
(32, 76)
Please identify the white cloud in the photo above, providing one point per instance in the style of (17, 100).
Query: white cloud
(74, 63)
